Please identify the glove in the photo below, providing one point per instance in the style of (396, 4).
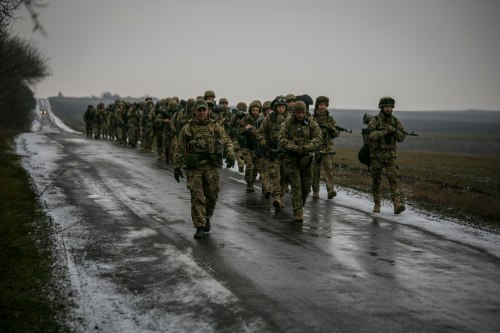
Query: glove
(230, 161)
(177, 173)
(390, 129)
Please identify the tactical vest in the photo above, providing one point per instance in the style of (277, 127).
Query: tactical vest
(299, 133)
(273, 129)
(387, 142)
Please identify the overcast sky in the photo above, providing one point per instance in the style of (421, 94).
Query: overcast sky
(427, 54)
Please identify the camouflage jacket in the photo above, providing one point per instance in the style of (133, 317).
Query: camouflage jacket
(328, 130)
(204, 138)
(379, 140)
(297, 135)
(270, 128)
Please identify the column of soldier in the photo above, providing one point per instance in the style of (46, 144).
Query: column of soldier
(279, 140)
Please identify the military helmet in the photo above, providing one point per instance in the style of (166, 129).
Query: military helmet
(223, 101)
(291, 98)
(321, 99)
(176, 99)
(266, 105)
(255, 103)
(386, 101)
(172, 104)
(300, 106)
(201, 103)
(209, 93)
(279, 100)
(241, 106)
(190, 103)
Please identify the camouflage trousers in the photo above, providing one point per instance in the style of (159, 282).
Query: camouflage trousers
(250, 166)
(167, 147)
(133, 135)
(324, 164)
(97, 130)
(238, 155)
(377, 165)
(203, 184)
(262, 167)
(88, 129)
(300, 181)
(276, 182)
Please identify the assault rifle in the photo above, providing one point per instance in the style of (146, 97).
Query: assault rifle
(342, 129)
(368, 131)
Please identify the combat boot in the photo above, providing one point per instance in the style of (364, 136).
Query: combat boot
(200, 233)
(277, 202)
(331, 194)
(315, 195)
(250, 188)
(297, 216)
(398, 206)
(376, 208)
(207, 225)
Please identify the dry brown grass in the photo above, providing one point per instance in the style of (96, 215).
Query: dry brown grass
(459, 186)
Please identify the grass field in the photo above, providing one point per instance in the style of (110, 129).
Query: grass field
(31, 297)
(463, 186)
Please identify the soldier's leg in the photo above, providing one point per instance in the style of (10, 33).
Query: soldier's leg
(211, 190)
(305, 182)
(274, 181)
(316, 170)
(376, 172)
(247, 157)
(327, 165)
(393, 177)
(195, 186)
(296, 191)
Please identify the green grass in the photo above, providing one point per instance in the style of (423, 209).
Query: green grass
(31, 298)
(463, 186)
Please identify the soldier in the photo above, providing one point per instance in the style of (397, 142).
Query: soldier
(233, 133)
(247, 139)
(299, 137)
(384, 131)
(133, 120)
(225, 114)
(87, 119)
(325, 161)
(100, 117)
(290, 100)
(209, 95)
(268, 136)
(200, 148)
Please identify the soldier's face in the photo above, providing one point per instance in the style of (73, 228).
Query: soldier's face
(281, 109)
(201, 113)
(387, 109)
(291, 104)
(255, 112)
(300, 115)
(322, 107)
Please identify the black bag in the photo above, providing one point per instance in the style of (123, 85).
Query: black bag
(364, 155)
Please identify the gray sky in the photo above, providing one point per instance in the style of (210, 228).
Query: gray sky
(427, 54)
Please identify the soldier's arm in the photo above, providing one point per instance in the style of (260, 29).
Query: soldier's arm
(316, 137)
(400, 132)
(374, 133)
(225, 138)
(180, 148)
(285, 143)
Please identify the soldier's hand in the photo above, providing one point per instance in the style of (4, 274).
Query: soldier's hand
(390, 129)
(230, 161)
(177, 174)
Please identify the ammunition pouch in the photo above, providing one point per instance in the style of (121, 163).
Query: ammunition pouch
(192, 161)
(305, 160)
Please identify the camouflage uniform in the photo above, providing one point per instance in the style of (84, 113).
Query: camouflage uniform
(268, 137)
(200, 145)
(87, 119)
(247, 139)
(384, 131)
(298, 138)
(233, 133)
(99, 118)
(325, 161)
(133, 126)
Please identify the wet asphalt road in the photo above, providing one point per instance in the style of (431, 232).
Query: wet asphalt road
(342, 270)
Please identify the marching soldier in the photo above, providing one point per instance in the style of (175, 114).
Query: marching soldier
(299, 138)
(324, 161)
(200, 147)
(385, 130)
